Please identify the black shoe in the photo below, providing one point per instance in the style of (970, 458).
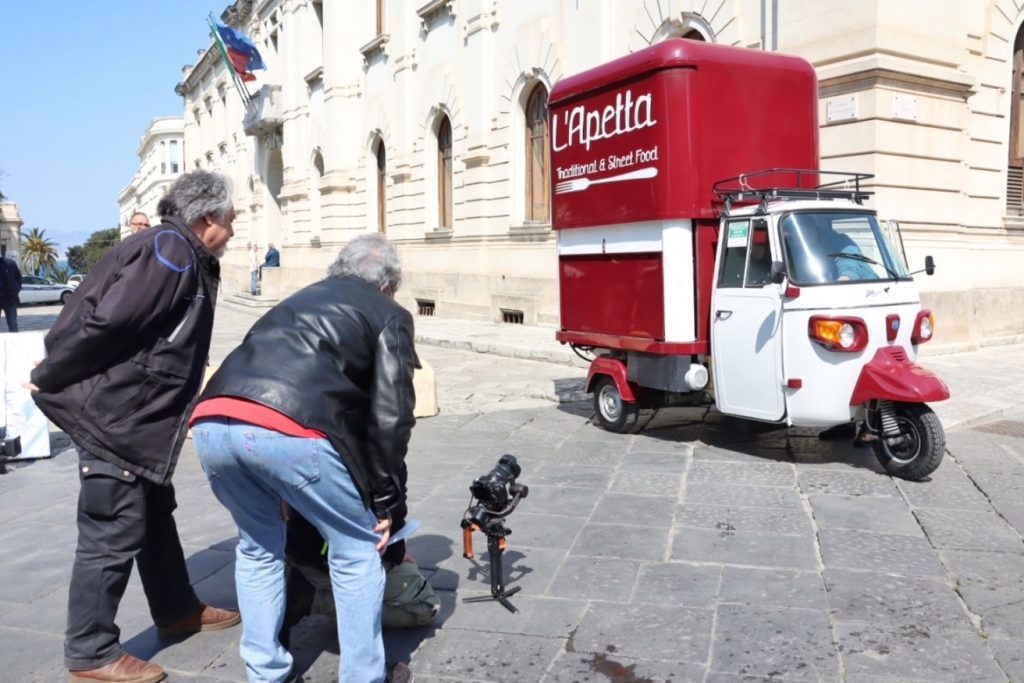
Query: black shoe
(400, 673)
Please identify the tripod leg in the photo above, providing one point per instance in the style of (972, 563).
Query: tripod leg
(495, 550)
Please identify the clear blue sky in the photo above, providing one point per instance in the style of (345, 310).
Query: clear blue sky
(79, 82)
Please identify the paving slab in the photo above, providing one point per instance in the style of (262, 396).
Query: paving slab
(774, 642)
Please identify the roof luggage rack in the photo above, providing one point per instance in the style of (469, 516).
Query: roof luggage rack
(791, 183)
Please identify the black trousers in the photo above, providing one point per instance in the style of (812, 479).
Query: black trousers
(10, 311)
(121, 519)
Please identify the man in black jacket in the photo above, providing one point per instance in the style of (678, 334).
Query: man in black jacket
(10, 285)
(315, 409)
(125, 359)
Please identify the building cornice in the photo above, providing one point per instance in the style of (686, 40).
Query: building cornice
(869, 71)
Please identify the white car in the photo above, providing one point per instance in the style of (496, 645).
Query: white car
(76, 279)
(38, 290)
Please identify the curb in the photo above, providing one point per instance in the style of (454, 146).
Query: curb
(553, 356)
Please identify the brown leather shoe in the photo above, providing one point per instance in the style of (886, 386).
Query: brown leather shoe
(203, 618)
(125, 669)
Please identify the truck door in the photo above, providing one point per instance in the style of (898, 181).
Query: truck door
(746, 321)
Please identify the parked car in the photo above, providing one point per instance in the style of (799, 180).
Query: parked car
(76, 279)
(38, 290)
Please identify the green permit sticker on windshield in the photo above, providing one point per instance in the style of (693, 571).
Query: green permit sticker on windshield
(738, 234)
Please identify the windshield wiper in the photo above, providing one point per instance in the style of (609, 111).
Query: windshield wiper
(865, 259)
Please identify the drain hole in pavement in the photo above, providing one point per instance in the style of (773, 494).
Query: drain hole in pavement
(511, 315)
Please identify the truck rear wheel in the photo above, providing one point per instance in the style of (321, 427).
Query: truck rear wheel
(918, 449)
(614, 414)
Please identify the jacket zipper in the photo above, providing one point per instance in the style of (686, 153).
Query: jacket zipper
(185, 317)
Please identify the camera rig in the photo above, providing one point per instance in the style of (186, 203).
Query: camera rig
(496, 495)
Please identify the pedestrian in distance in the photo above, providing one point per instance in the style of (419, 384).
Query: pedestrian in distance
(254, 268)
(138, 222)
(272, 258)
(124, 363)
(314, 410)
(10, 286)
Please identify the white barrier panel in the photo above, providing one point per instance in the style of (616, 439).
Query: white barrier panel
(18, 412)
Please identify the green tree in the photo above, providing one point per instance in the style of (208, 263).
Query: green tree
(98, 244)
(38, 253)
(76, 259)
(58, 274)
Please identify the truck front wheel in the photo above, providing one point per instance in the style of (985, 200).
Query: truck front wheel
(614, 414)
(918, 449)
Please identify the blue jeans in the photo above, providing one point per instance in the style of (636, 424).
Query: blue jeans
(251, 470)
(253, 285)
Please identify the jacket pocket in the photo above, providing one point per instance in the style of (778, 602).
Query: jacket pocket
(131, 391)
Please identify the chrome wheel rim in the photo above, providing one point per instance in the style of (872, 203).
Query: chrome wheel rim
(610, 403)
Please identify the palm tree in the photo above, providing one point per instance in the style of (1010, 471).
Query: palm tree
(58, 274)
(37, 252)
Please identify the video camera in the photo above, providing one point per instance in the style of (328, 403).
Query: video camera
(497, 495)
(497, 492)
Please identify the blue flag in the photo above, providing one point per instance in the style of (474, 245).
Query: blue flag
(239, 47)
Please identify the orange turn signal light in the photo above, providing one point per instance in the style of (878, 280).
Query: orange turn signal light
(838, 333)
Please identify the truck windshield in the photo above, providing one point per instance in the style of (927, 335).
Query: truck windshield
(841, 246)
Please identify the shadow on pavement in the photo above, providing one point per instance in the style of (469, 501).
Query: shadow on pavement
(734, 438)
(316, 634)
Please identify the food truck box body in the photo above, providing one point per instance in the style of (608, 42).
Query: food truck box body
(636, 147)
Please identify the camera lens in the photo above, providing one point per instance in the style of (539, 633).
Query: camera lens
(508, 467)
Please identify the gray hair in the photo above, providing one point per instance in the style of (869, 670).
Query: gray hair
(165, 207)
(198, 194)
(372, 258)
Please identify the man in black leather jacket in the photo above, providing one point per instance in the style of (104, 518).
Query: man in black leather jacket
(315, 409)
(124, 362)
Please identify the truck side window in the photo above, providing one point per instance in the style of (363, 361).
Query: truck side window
(734, 255)
(760, 262)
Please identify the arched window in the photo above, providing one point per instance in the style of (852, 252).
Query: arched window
(444, 173)
(1015, 162)
(382, 184)
(538, 165)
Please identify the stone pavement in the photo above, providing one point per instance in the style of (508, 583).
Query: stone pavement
(698, 550)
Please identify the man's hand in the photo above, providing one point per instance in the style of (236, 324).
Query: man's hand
(28, 385)
(383, 528)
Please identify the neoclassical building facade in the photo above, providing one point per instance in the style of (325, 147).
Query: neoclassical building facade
(10, 228)
(428, 120)
(160, 152)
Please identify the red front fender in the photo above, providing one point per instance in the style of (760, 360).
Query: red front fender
(890, 375)
(614, 368)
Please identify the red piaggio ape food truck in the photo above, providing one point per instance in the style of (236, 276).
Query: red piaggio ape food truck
(703, 253)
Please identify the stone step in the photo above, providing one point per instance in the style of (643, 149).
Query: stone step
(245, 300)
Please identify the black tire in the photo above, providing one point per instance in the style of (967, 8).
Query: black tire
(614, 414)
(64, 297)
(923, 445)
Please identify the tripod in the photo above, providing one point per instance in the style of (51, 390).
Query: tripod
(496, 531)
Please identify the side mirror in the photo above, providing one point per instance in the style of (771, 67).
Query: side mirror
(929, 265)
(777, 273)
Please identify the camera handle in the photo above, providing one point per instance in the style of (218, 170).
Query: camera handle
(496, 532)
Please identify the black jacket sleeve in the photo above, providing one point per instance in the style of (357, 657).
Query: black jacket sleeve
(392, 400)
(141, 288)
